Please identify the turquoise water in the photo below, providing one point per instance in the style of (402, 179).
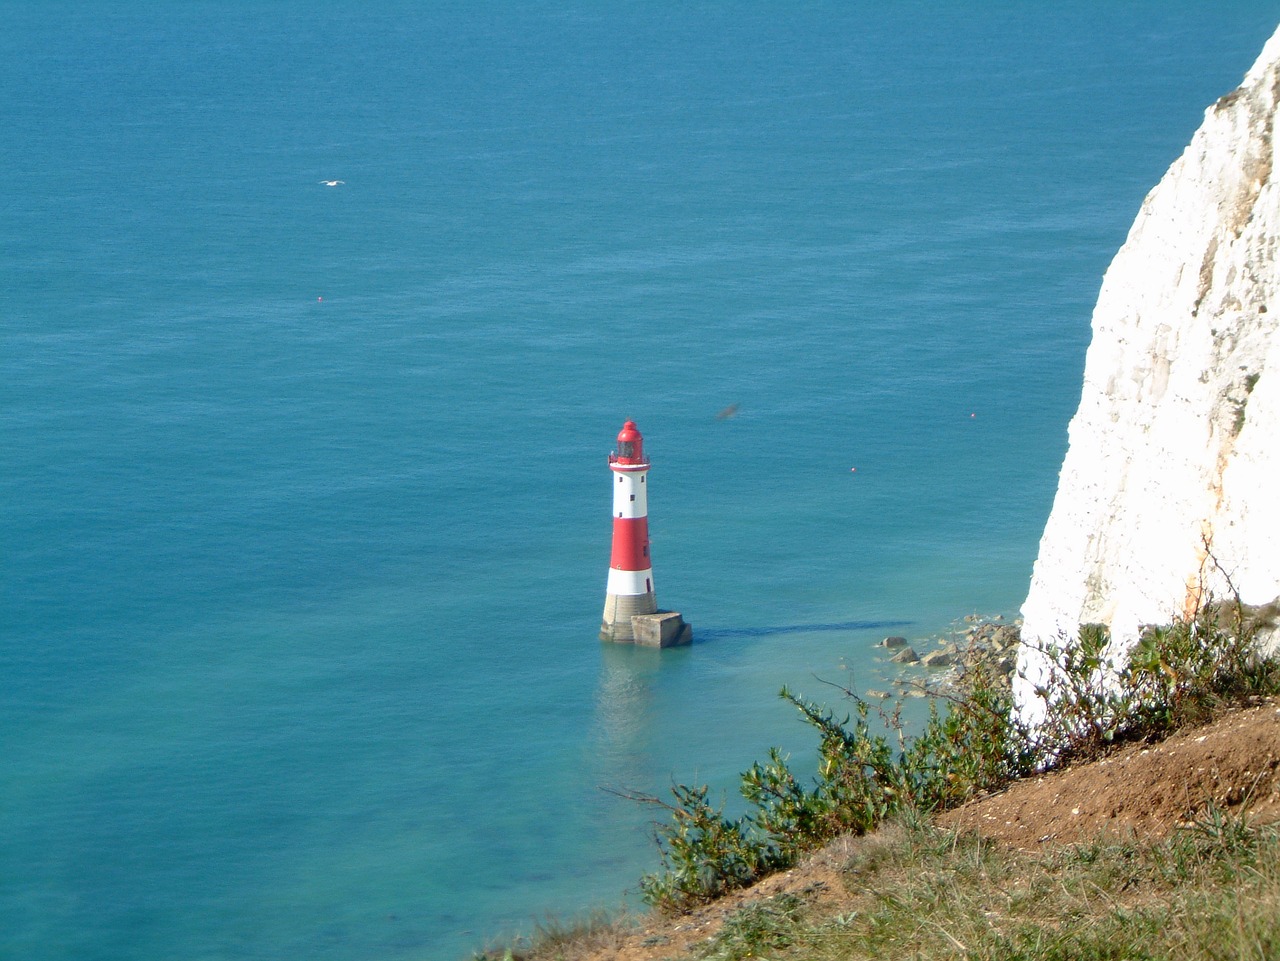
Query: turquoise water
(304, 518)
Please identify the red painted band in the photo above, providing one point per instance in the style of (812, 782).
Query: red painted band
(630, 544)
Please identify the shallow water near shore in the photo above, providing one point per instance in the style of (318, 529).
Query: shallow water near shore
(305, 499)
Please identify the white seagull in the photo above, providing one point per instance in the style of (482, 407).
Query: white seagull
(332, 183)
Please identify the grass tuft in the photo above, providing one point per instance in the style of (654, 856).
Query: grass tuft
(921, 892)
(557, 940)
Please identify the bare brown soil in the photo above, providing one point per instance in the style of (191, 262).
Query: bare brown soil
(1144, 789)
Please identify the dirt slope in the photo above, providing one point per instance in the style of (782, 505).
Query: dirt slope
(1147, 789)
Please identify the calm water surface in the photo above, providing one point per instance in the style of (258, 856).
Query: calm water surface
(303, 499)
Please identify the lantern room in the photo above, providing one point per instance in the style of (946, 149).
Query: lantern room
(630, 452)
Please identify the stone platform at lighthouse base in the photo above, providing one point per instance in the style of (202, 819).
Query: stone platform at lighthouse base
(663, 629)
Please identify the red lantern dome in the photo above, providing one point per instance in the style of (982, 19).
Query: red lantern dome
(630, 452)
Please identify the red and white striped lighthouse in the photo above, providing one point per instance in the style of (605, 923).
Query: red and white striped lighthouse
(630, 597)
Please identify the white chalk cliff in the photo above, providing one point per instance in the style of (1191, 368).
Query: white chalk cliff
(1171, 482)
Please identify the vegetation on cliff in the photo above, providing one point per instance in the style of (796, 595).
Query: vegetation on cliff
(1178, 674)
(944, 892)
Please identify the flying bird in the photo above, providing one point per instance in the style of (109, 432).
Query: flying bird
(332, 183)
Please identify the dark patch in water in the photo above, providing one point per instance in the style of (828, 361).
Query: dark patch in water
(715, 634)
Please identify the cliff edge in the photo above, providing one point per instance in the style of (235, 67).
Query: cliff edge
(1170, 489)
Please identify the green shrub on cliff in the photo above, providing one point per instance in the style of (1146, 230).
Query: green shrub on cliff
(862, 778)
(1176, 675)
(974, 744)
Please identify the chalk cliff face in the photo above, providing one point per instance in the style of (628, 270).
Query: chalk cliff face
(1171, 482)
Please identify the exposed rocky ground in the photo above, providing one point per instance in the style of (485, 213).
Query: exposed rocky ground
(932, 665)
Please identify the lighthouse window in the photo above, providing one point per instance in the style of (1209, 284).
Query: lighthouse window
(626, 448)
(619, 478)
(642, 478)
(633, 496)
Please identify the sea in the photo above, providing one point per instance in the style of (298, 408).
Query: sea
(304, 496)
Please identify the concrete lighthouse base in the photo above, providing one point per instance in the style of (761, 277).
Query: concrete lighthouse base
(637, 620)
(619, 609)
(663, 629)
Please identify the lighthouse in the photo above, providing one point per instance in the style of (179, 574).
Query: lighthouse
(631, 612)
